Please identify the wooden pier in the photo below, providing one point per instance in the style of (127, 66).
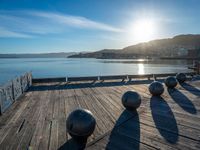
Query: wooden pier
(37, 120)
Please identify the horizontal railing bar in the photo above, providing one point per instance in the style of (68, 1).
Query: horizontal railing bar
(92, 78)
(164, 75)
(97, 78)
(140, 76)
(45, 80)
(113, 77)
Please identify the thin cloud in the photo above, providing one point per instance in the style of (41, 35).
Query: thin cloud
(77, 21)
(23, 23)
(10, 34)
(28, 24)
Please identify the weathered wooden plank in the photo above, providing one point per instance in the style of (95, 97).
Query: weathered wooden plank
(53, 139)
(38, 133)
(62, 121)
(47, 127)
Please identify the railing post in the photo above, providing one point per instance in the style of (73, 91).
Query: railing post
(13, 94)
(0, 103)
(196, 66)
(154, 77)
(149, 78)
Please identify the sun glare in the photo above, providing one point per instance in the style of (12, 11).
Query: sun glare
(143, 30)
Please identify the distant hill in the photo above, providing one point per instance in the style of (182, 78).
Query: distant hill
(39, 55)
(177, 46)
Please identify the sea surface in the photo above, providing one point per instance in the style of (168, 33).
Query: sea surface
(59, 67)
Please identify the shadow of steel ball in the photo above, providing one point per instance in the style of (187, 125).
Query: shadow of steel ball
(156, 88)
(80, 123)
(171, 82)
(181, 77)
(131, 100)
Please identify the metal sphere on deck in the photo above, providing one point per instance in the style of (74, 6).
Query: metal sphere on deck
(131, 100)
(171, 82)
(80, 123)
(181, 77)
(156, 88)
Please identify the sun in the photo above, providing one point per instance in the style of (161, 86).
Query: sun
(143, 30)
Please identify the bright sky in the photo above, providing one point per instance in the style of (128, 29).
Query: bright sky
(35, 26)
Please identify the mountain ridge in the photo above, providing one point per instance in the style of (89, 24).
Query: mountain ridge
(176, 46)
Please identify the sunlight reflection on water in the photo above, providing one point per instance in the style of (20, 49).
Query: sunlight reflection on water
(140, 68)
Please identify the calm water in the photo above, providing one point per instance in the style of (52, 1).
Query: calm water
(57, 67)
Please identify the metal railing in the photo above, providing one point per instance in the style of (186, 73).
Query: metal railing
(103, 78)
(13, 89)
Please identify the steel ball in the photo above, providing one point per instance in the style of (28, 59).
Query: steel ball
(131, 100)
(80, 123)
(181, 77)
(171, 82)
(156, 88)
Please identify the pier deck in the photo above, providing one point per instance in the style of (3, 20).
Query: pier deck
(38, 119)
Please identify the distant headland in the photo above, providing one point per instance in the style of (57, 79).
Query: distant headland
(38, 55)
(178, 47)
